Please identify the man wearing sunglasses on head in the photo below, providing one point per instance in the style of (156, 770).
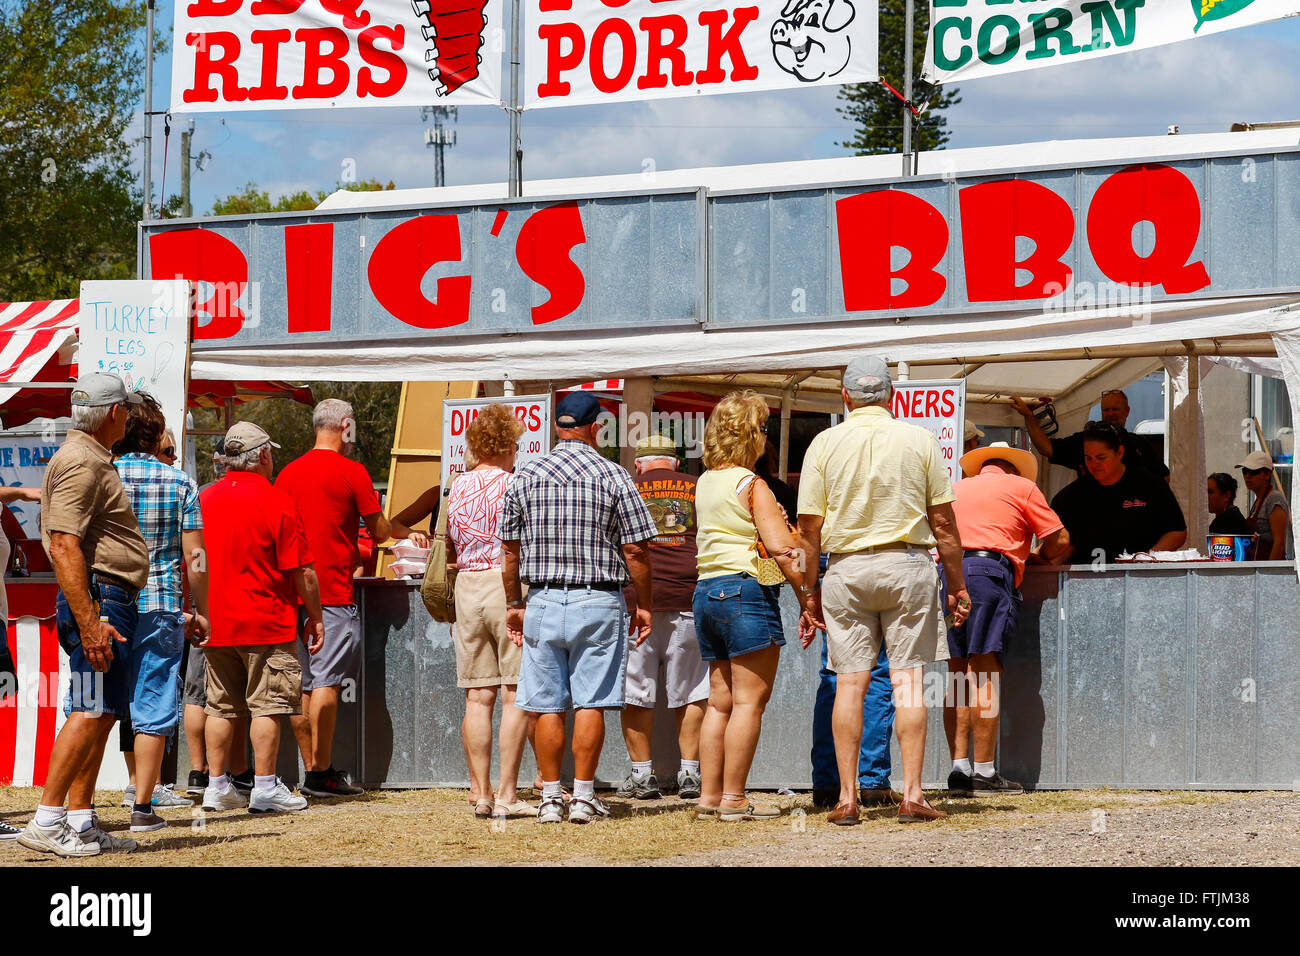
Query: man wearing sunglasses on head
(1068, 451)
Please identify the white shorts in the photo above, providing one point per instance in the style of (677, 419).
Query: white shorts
(672, 642)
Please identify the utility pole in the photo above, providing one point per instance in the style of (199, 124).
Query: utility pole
(907, 88)
(186, 209)
(439, 138)
(516, 143)
(148, 112)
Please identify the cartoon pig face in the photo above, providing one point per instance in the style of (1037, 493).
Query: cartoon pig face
(809, 39)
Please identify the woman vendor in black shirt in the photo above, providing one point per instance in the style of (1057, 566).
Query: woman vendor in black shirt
(1221, 492)
(1116, 509)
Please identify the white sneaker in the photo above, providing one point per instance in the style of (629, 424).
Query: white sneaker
(59, 839)
(128, 797)
(551, 811)
(585, 811)
(164, 797)
(228, 799)
(279, 800)
(107, 842)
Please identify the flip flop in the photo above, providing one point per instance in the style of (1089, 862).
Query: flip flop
(520, 808)
(483, 809)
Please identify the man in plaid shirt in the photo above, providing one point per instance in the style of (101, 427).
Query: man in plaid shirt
(575, 528)
(166, 504)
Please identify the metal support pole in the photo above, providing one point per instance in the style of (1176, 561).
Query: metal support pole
(187, 210)
(516, 145)
(783, 452)
(904, 372)
(907, 89)
(148, 113)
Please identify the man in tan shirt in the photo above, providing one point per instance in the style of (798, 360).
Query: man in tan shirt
(101, 562)
(875, 494)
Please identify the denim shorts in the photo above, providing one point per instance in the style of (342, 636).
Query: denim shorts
(155, 672)
(575, 650)
(735, 615)
(88, 692)
(995, 609)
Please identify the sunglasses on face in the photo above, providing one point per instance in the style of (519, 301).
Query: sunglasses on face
(169, 451)
(1255, 471)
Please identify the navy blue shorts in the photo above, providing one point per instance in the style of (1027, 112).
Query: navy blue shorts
(995, 609)
(735, 615)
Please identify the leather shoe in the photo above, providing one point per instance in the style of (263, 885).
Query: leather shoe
(909, 812)
(881, 797)
(844, 815)
(825, 798)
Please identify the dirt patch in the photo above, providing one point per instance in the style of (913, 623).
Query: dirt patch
(433, 827)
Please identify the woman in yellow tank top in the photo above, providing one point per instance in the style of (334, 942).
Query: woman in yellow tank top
(737, 620)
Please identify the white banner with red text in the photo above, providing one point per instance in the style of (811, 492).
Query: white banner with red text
(939, 407)
(972, 38)
(611, 52)
(308, 54)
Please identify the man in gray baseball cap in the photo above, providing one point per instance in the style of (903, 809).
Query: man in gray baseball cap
(101, 562)
(875, 495)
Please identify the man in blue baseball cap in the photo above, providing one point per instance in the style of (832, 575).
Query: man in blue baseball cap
(575, 528)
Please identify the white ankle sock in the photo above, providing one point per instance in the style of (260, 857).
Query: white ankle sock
(962, 765)
(692, 767)
(551, 788)
(265, 784)
(80, 820)
(985, 769)
(641, 769)
(584, 789)
(49, 816)
(220, 784)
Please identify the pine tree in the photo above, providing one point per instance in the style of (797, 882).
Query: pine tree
(877, 114)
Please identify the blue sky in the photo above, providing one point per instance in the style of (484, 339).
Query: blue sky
(1203, 85)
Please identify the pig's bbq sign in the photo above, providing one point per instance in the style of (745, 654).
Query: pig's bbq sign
(1038, 241)
(605, 51)
(300, 54)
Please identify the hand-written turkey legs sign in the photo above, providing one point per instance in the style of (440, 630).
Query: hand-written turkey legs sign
(297, 54)
(1010, 242)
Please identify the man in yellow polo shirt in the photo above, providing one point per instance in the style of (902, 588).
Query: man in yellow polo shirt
(874, 493)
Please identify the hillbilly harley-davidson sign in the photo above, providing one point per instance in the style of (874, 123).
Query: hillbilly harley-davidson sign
(299, 54)
(1036, 239)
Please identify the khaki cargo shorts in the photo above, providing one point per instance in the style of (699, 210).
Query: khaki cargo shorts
(889, 596)
(485, 655)
(257, 680)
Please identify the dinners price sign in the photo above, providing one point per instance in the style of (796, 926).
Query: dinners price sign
(534, 411)
(938, 406)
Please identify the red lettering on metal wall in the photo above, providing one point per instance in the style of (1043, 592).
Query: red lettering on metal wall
(870, 226)
(203, 256)
(543, 252)
(993, 215)
(399, 263)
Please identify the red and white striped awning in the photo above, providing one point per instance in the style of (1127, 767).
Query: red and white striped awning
(600, 385)
(31, 333)
(38, 344)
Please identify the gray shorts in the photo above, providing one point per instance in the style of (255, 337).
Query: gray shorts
(340, 658)
(196, 677)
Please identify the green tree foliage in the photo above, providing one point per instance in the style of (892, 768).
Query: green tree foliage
(289, 424)
(71, 73)
(253, 200)
(877, 114)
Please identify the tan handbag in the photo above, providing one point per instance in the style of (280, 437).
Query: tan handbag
(769, 570)
(439, 587)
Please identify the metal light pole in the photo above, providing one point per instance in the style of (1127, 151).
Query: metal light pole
(187, 137)
(148, 112)
(907, 89)
(516, 145)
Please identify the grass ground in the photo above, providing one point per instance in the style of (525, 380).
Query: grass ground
(436, 827)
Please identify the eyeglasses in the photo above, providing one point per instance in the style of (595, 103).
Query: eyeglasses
(169, 451)
(1255, 471)
(1103, 427)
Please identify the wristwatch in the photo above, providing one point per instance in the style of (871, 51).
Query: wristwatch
(516, 604)
(805, 590)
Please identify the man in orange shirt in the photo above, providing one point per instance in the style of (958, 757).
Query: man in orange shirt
(999, 512)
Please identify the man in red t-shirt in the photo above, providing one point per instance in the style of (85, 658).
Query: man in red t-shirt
(259, 567)
(999, 512)
(334, 495)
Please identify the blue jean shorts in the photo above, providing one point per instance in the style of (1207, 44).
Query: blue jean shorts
(575, 650)
(155, 672)
(995, 609)
(88, 692)
(735, 615)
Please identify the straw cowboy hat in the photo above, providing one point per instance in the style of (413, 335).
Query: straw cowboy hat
(1024, 461)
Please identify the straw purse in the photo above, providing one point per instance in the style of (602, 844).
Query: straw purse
(769, 571)
(439, 587)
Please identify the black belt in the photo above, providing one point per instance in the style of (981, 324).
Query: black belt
(563, 586)
(99, 577)
(997, 556)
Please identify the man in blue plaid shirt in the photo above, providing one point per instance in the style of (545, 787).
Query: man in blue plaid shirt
(166, 504)
(575, 528)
